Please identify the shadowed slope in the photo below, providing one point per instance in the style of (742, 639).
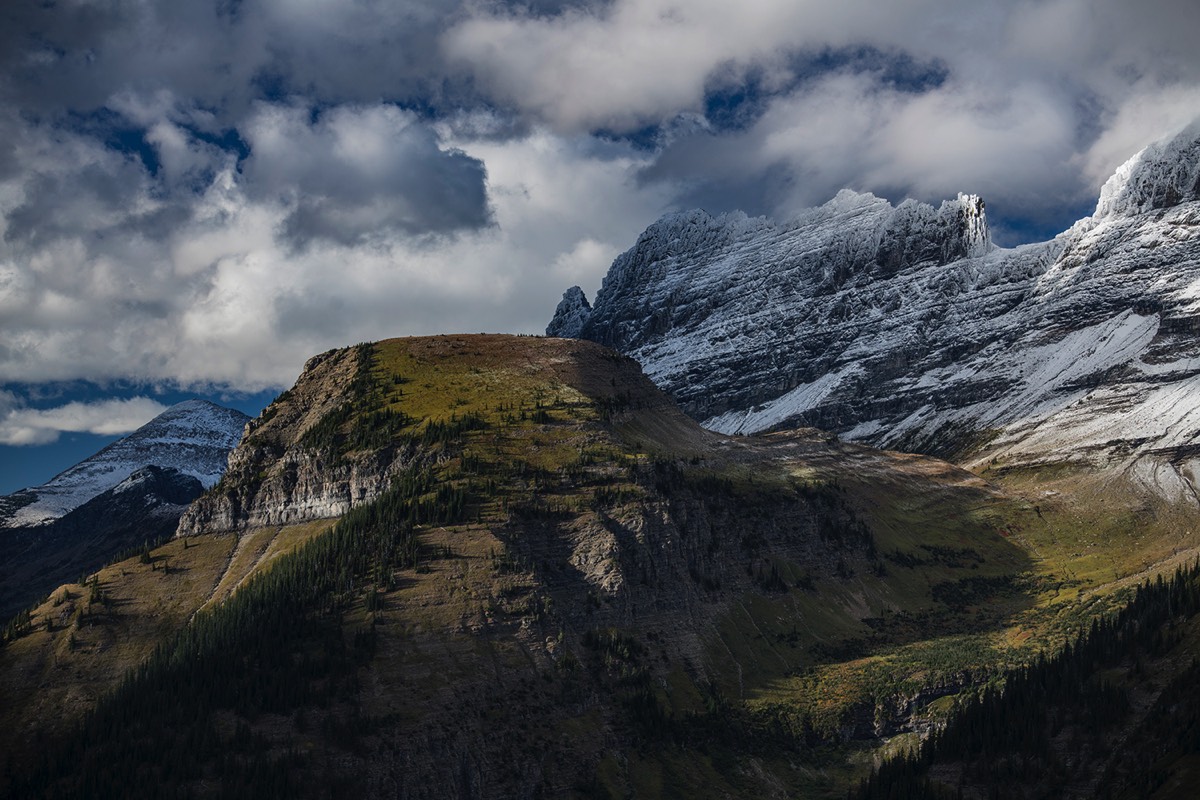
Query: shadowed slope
(507, 566)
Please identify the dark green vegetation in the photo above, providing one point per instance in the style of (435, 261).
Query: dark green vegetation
(277, 646)
(551, 583)
(1075, 723)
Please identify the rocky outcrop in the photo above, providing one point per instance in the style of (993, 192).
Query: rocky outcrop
(274, 478)
(691, 270)
(300, 488)
(571, 315)
(904, 327)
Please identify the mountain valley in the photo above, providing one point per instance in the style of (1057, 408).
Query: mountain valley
(493, 566)
(513, 566)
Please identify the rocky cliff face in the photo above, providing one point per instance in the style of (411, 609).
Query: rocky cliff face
(571, 315)
(275, 478)
(904, 327)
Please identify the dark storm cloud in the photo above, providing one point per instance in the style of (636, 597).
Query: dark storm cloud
(357, 173)
(221, 57)
(91, 203)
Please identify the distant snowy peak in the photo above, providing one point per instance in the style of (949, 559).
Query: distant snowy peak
(193, 437)
(193, 423)
(1163, 175)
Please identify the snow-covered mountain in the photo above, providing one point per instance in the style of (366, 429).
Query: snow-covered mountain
(905, 327)
(193, 437)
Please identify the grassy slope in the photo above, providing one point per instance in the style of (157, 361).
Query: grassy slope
(51, 676)
(80, 648)
(1055, 560)
(964, 579)
(1096, 537)
(778, 646)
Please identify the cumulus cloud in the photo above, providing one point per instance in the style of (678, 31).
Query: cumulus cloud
(636, 61)
(633, 62)
(1141, 119)
(223, 57)
(288, 177)
(227, 298)
(844, 130)
(1042, 99)
(20, 425)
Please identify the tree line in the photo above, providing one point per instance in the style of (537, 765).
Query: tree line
(1010, 738)
(278, 645)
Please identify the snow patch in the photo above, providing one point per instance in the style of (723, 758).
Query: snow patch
(781, 409)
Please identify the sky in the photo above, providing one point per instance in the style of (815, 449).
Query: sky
(196, 197)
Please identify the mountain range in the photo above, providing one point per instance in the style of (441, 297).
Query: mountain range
(491, 566)
(905, 327)
(486, 566)
(193, 437)
(495, 566)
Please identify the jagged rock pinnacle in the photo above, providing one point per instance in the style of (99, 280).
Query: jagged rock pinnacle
(571, 315)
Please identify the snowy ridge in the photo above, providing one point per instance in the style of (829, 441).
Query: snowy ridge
(905, 327)
(193, 437)
(1160, 176)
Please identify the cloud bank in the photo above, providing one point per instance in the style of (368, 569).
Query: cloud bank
(31, 426)
(204, 194)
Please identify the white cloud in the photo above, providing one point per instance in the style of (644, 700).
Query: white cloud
(1042, 98)
(632, 62)
(33, 426)
(339, 171)
(1141, 119)
(637, 61)
(844, 130)
(224, 297)
(587, 259)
